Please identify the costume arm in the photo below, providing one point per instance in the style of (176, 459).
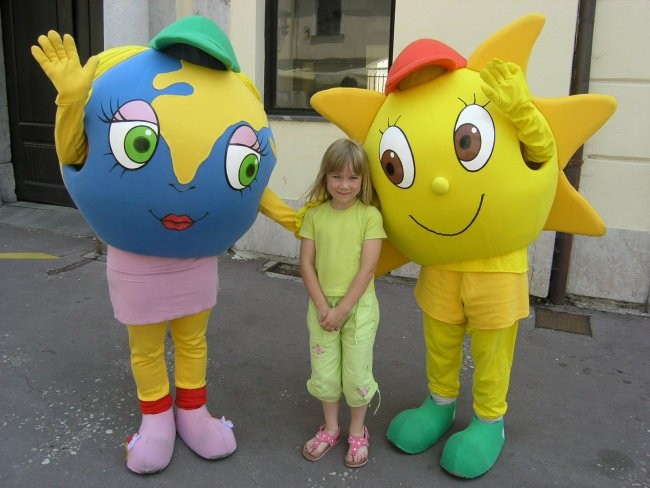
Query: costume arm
(504, 84)
(69, 135)
(59, 60)
(273, 207)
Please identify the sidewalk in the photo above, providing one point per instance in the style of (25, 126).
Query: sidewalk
(579, 404)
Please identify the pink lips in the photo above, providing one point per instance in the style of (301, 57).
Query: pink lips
(177, 222)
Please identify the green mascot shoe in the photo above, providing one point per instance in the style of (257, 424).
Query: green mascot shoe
(473, 451)
(418, 429)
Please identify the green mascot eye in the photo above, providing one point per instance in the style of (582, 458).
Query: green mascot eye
(242, 165)
(133, 143)
(140, 144)
(248, 169)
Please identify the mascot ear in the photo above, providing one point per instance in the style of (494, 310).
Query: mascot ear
(512, 43)
(351, 109)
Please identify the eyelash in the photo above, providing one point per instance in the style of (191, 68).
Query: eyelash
(107, 119)
(388, 125)
(264, 150)
(474, 102)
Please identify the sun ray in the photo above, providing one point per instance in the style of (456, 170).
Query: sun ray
(500, 45)
(352, 109)
(571, 213)
(573, 120)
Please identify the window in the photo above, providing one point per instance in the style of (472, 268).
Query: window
(313, 45)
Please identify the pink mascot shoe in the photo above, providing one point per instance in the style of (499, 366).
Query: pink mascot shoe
(150, 449)
(209, 437)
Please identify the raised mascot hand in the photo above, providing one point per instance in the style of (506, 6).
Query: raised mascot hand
(60, 61)
(505, 85)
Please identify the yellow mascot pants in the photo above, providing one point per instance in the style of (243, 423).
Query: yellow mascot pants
(492, 351)
(147, 344)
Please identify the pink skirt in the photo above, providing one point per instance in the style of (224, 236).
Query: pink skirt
(150, 289)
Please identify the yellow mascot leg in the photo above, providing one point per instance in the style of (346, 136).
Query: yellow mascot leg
(151, 448)
(444, 343)
(417, 429)
(207, 436)
(473, 451)
(493, 352)
(147, 343)
(191, 350)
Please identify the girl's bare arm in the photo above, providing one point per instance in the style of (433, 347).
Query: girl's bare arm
(310, 277)
(369, 257)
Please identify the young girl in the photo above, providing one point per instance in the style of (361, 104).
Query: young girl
(341, 241)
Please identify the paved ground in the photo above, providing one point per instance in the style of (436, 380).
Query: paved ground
(579, 412)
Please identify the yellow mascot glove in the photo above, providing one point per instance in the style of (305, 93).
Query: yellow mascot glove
(60, 61)
(504, 84)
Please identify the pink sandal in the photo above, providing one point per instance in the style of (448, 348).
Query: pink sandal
(322, 437)
(357, 443)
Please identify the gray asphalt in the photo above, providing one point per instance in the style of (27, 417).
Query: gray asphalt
(579, 412)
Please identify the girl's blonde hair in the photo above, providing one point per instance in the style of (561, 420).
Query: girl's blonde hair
(340, 154)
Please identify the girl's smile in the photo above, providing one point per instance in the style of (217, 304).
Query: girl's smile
(344, 187)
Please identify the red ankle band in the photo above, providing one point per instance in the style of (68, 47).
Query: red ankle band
(191, 399)
(157, 406)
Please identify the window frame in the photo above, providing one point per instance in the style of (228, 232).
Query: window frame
(270, 61)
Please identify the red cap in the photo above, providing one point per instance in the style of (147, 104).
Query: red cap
(420, 53)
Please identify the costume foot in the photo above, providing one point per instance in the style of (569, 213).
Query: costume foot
(473, 451)
(209, 437)
(418, 429)
(150, 449)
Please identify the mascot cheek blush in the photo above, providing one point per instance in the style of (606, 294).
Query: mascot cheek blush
(468, 170)
(167, 152)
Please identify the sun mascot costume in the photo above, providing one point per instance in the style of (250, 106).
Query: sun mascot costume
(166, 151)
(468, 166)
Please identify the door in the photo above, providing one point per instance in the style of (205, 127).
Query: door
(30, 95)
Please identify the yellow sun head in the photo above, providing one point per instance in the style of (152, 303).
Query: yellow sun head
(447, 165)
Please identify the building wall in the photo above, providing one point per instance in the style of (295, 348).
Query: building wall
(7, 184)
(616, 173)
(137, 21)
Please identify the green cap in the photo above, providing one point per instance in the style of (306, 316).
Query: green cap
(201, 33)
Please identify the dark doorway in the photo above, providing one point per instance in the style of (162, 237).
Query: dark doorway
(30, 95)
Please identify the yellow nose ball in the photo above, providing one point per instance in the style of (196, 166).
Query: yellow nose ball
(440, 185)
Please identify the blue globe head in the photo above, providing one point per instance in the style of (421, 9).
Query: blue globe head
(178, 156)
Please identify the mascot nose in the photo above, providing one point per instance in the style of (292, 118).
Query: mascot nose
(440, 185)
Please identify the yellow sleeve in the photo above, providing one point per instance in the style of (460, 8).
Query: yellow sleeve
(274, 208)
(69, 135)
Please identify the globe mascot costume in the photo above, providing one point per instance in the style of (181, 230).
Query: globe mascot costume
(468, 166)
(166, 151)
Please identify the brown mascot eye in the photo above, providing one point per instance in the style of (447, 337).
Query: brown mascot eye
(467, 142)
(392, 166)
